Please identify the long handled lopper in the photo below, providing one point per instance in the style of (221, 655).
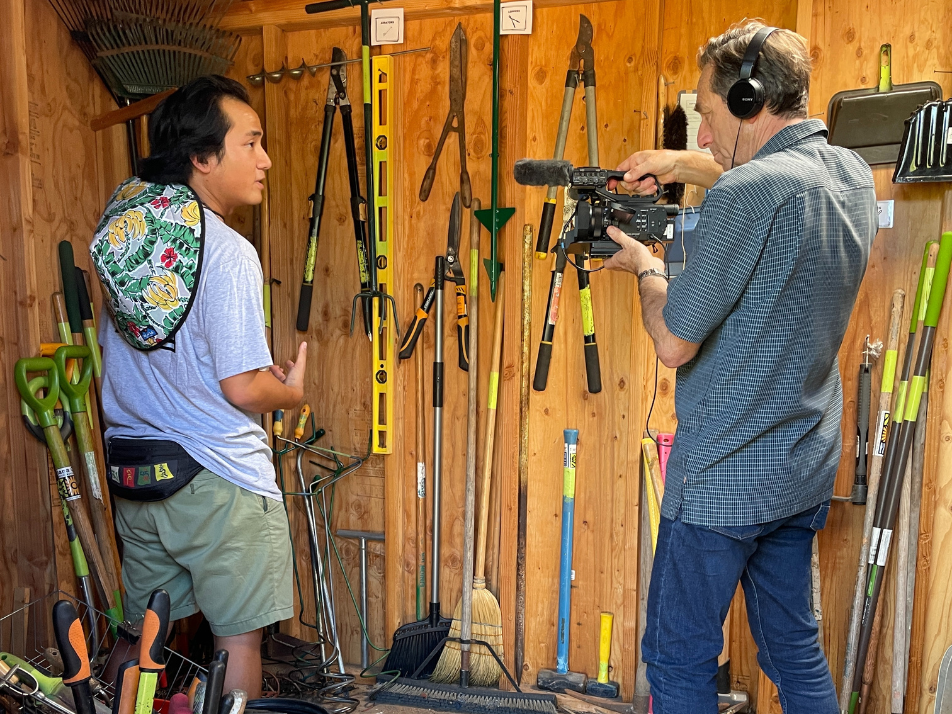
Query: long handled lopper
(72, 646)
(581, 64)
(336, 98)
(152, 649)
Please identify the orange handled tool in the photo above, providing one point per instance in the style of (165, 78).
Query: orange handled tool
(152, 650)
(72, 646)
(127, 684)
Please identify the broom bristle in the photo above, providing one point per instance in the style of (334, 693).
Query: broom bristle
(487, 626)
(447, 669)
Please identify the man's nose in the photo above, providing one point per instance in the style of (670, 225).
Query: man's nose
(264, 161)
(705, 137)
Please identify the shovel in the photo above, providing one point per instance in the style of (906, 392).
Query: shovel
(871, 121)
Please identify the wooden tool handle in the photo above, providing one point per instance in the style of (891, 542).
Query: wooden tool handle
(486, 480)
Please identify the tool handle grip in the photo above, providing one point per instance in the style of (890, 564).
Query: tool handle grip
(89, 322)
(462, 337)
(43, 408)
(71, 642)
(541, 376)
(465, 188)
(213, 688)
(412, 334)
(68, 271)
(156, 624)
(127, 686)
(545, 229)
(302, 423)
(304, 307)
(85, 304)
(593, 372)
(427, 184)
(75, 393)
(862, 422)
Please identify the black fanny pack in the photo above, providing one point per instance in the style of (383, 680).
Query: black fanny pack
(148, 469)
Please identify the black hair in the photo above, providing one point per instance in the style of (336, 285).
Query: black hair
(189, 124)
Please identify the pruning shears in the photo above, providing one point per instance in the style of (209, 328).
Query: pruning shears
(454, 274)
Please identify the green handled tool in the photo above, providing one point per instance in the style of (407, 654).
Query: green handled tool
(72, 646)
(43, 408)
(494, 217)
(151, 649)
(75, 395)
(66, 480)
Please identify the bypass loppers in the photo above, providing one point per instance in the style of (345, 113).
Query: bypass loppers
(455, 119)
(453, 274)
(581, 64)
(336, 99)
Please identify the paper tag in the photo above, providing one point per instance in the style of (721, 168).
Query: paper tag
(882, 433)
(66, 482)
(884, 548)
(873, 546)
(420, 480)
(93, 472)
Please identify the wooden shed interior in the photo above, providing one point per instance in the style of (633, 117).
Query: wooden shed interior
(56, 174)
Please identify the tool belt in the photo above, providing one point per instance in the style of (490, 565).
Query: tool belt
(148, 469)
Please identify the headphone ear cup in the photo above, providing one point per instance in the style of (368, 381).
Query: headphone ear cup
(745, 98)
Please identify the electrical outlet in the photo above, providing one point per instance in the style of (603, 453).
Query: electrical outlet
(885, 213)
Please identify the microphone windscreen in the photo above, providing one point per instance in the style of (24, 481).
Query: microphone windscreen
(542, 172)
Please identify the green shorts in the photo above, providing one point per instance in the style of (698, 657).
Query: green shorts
(216, 548)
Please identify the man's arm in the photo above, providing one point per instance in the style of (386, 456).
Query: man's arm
(260, 392)
(634, 258)
(693, 167)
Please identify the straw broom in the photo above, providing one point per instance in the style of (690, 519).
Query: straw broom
(484, 671)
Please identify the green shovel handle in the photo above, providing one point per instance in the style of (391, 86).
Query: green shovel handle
(940, 280)
(75, 393)
(63, 419)
(42, 407)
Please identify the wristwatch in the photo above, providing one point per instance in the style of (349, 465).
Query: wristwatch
(649, 272)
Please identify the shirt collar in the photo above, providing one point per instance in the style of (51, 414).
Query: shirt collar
(793, 134)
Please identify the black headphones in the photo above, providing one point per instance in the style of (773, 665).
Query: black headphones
(746, 96)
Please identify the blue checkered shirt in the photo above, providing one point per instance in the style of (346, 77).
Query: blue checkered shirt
(781, 248)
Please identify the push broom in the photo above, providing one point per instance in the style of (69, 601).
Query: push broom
(414, 642)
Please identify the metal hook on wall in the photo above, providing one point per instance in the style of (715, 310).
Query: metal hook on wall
(257, 80)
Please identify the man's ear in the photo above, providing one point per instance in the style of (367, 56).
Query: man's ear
(203, 166)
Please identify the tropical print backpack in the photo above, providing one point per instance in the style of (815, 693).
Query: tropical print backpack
(147, 251)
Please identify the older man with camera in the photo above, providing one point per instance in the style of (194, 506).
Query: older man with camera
(753, 324)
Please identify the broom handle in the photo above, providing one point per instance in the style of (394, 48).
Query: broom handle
(421, 475)
(472, 424)
(490, 431)
(437, 432)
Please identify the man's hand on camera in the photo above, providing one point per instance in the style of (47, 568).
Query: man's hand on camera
(634, 256)
(660, 164)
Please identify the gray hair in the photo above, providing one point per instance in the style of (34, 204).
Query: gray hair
(783, 67)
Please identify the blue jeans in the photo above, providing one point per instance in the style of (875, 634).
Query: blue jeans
(695, 575)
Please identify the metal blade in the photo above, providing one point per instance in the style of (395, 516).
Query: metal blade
(453, 268)
(458, 57)
(583, 45)
(338, 77)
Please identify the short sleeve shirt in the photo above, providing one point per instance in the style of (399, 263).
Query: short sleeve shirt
(782, 246)
(176, 395)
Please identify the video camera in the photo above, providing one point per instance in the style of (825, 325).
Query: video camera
(597, 208)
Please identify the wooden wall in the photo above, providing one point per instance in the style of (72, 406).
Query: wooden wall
(55, 188)
(55, 175)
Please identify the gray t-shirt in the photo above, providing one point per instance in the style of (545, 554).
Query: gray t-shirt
(176, 395)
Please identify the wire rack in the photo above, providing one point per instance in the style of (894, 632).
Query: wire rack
(27, 633)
